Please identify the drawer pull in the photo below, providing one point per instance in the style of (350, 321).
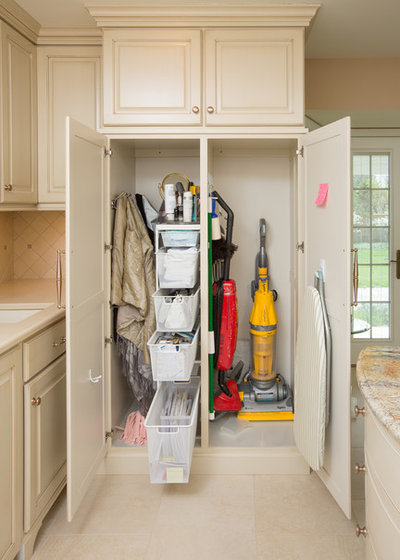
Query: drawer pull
(361, 531)
(359, 468)
(36, 401)
(8, 187)
(358, 410)
(62, 341)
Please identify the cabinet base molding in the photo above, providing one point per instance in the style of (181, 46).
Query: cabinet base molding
(216, 461)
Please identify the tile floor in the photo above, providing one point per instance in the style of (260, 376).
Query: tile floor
(224, 517)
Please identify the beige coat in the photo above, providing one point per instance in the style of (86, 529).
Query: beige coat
(133, 277)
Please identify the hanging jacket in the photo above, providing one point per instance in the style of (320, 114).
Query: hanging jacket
(133, 276)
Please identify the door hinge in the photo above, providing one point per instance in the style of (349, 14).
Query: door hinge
(300, 151)
(109, 435)
(107, 152)
(107, 247)
(108, 340)
(300, 246)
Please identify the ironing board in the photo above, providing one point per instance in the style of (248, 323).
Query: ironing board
(310, 392)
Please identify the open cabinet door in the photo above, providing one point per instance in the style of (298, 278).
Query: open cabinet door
(86, 175)
(326, 229)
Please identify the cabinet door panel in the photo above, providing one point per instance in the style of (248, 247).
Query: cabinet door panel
(326, 234)
(45, 438)
(19, 126)
(69, 85)
(11, 471)
(254, 77)
(152, 76)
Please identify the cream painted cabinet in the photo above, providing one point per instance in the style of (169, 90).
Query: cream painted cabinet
(254, 77)
(18, 129)
(68, 85)
(152, 76)
(11, 463)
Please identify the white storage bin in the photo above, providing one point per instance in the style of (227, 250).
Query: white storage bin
(172, 362)
(171, 438)
(178, 268)
(180, 237)
(176, 313)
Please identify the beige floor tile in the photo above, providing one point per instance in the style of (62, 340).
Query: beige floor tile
(93, 547)
(302, 547)
(114, 504)
(298, 505)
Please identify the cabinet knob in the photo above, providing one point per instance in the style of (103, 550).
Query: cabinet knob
(358, 410)
(361, 531)
(195, 109)
(359, 468)
(210, 109)
(36, 401)
(62, 341)
(8, 187)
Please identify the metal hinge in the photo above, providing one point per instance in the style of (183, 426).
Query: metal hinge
(109, 435)
(107, 152)
(107, 247)
(300, 151)
(300, 246)
(108, 340)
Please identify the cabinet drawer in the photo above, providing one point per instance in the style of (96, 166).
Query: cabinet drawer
(382, 519)
(42, 349)
(383, 454)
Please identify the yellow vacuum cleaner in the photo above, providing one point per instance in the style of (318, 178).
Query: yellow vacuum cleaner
(264, 393)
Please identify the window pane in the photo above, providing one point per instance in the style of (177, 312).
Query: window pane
(380, 283)
(380, 245)
(380, 207)
(361, 321)
(361, 241)
(380, 320)
(361, 172)
(361, 207)
(380, 171)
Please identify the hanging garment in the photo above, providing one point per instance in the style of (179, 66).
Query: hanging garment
(133, 276)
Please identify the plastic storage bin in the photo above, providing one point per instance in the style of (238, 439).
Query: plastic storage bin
(172, 362)
(180, 237)
(176, 313)
(171, 438)
(178, 268)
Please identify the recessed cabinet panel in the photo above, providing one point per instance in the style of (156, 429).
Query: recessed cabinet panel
(69, 85)
(254, 77)
(152, 76)
(19, 118)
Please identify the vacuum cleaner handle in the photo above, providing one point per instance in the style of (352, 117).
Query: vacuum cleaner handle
(229, 229)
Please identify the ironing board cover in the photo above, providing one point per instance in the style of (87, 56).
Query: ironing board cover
(310, 381)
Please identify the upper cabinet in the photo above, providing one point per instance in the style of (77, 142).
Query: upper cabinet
(203, 65)
(152, 76)
(68, 85)
(18, 128)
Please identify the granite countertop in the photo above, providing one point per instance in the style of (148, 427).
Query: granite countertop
(27, 294)
(378, 375)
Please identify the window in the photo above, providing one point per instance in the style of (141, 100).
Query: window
(371, 236)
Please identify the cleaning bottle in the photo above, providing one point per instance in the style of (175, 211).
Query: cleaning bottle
(187, 206)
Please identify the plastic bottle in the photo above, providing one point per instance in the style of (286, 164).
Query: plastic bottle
(194, 208)
(187, 206)
(180, 208)
(170, 200)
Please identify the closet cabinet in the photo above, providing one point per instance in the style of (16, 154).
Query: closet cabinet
(158, 76)
(68, 84)
(18, 129)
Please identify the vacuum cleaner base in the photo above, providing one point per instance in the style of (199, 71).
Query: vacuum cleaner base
(257, 405)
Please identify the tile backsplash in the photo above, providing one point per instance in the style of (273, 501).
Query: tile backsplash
(28, 244)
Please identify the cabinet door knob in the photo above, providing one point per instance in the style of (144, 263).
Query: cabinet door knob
(195, 109)
(36, 401)
(358, 410)
(210, 109)
(62, 341)
(361, 531)
(8, 187)
(359, 468)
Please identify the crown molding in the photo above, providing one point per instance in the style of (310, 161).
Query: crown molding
(18, 18)
(182, 13)
(70, 36)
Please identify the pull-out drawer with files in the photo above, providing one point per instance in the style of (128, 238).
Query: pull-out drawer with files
(42, 349)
